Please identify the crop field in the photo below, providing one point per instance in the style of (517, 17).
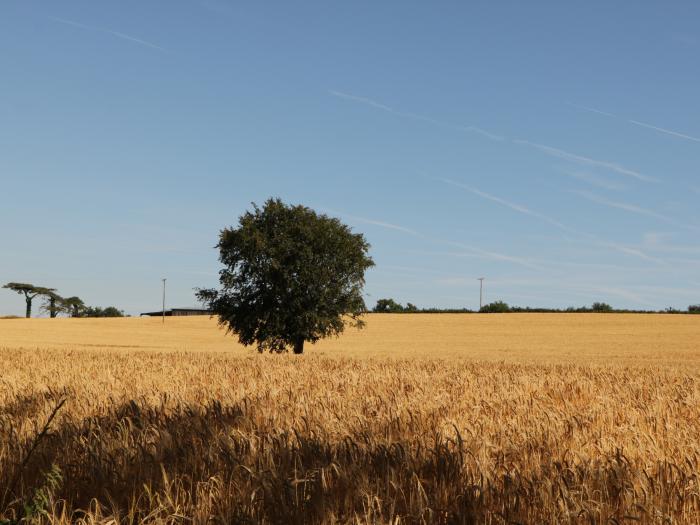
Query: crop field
(419, 418)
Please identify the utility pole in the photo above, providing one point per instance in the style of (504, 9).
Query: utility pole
(164, 300)
(481, 292)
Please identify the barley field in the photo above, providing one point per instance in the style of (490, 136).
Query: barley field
(420, 418)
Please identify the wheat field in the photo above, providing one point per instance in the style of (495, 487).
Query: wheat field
(497, 419)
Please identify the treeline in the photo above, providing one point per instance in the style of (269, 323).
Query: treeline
(389, 306)
(55, 305)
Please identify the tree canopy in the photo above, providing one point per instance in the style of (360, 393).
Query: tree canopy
(602, 307)
(73, 306)
(496, 307)
(389, 306)
(96, 311)
(52, 304)
(29, 291)
(289, 275)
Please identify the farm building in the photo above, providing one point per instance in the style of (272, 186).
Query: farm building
(179, 312)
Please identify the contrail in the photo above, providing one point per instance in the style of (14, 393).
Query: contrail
(415, 116)
(516, 207)
(617, 168)
(638, 123)
(123, 36)
(476, 252)
(381, 224)
(633, 208)
(594, 180)
(662, 130)
(588, 236)
(592, 110)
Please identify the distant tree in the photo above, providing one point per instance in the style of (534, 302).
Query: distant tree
(30, 292)
(96, 311)
(388, 306)
(497, 307)
(410, 307)
(694, 309)
(73, 306)
(112, 311)
(601, 308)
(52, 304)
(290, 275)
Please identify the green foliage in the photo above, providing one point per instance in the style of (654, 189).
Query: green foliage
(388, 306)
(497, 307)
(602, 308)
(96, 311)
(290, 275)
(434, 310)
(52, 304)
(39, 506)
(42, 499)
(694, 309)
(72, 306)
(29, 291)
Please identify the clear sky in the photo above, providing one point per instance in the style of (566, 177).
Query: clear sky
(550, 147)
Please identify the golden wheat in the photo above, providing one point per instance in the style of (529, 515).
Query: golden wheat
(418, 419)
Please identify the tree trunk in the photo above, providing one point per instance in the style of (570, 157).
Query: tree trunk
(29, 307)
(299, 346)
(52, 307)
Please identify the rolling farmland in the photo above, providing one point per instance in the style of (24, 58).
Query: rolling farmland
(530, 418)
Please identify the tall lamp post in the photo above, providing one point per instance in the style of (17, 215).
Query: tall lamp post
(164, 300)
(481, 293)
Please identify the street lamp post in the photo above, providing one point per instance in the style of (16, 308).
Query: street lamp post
(164, 300)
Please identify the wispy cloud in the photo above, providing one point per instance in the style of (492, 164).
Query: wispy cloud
(623, 293)
(381, 224)
(473, 251)
(117, 34)
(663, 130)
(593, 239)
(592, 110)
(628, 250)
(362, 100)
(633, 208)
(625, 206)
(663, 242)
(469, 251)
(513, 206)
(594, 180)
(639, 123)
(580, 159)
(415, 116)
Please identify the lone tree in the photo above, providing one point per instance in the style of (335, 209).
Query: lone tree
(30, 292)
(290, 275)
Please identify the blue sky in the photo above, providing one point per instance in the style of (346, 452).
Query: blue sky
(552, 148)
